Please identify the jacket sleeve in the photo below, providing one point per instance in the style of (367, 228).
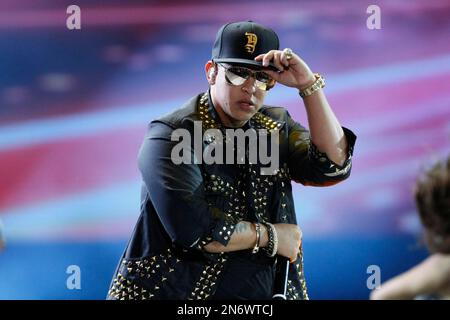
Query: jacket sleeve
(177, 191)
(308, 165)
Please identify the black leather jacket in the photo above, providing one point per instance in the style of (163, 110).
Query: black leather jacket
(185, 206)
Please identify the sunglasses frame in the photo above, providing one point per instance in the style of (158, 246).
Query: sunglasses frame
(258, 83)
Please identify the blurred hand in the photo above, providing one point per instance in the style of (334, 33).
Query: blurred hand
(289, 240)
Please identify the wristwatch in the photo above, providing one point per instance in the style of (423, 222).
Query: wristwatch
(318, 84)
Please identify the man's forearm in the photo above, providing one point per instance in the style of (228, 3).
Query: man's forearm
(326, 132)
(243, 237)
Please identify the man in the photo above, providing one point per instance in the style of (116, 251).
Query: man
(214, 230)
(431, 278)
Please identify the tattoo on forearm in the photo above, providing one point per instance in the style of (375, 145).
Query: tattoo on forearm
(241, 227)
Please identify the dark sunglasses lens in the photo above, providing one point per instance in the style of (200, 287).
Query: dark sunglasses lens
(241, 72)
(263, 77)
(235, 76)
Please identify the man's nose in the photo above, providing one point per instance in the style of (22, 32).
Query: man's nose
(250, 85)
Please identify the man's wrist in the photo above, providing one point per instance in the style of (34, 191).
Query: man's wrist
(258, 237)
(308, 83)
(264, 236)
(318, 84)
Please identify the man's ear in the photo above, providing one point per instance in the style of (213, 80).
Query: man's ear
(211, 72)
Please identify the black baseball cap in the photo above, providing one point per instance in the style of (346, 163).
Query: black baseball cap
(240, 42)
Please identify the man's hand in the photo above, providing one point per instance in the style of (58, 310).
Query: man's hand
(293, 73)
(289, 240)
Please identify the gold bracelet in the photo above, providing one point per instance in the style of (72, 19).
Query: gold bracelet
(318, 84)
(258, 236)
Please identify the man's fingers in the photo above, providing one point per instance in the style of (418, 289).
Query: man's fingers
(283, 59)
(276, 61)
(277, 57)
(294, 257)
(267, 57)
(259, 57)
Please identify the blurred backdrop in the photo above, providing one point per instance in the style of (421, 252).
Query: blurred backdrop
(74, 105)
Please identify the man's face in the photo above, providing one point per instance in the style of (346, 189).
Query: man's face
(239, 103)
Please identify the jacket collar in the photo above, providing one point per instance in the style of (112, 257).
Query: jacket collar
(210, 118)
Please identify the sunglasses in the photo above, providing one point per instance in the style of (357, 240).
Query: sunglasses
(236, 76)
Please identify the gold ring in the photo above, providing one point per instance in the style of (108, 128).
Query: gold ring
(288, 53)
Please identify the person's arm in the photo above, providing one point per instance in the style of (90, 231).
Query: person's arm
(330, 144)
(326, 132)
(177, 191)
(244, 237)
(177, 194)
(429, 277)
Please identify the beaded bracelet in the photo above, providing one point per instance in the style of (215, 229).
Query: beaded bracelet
(272, 246)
